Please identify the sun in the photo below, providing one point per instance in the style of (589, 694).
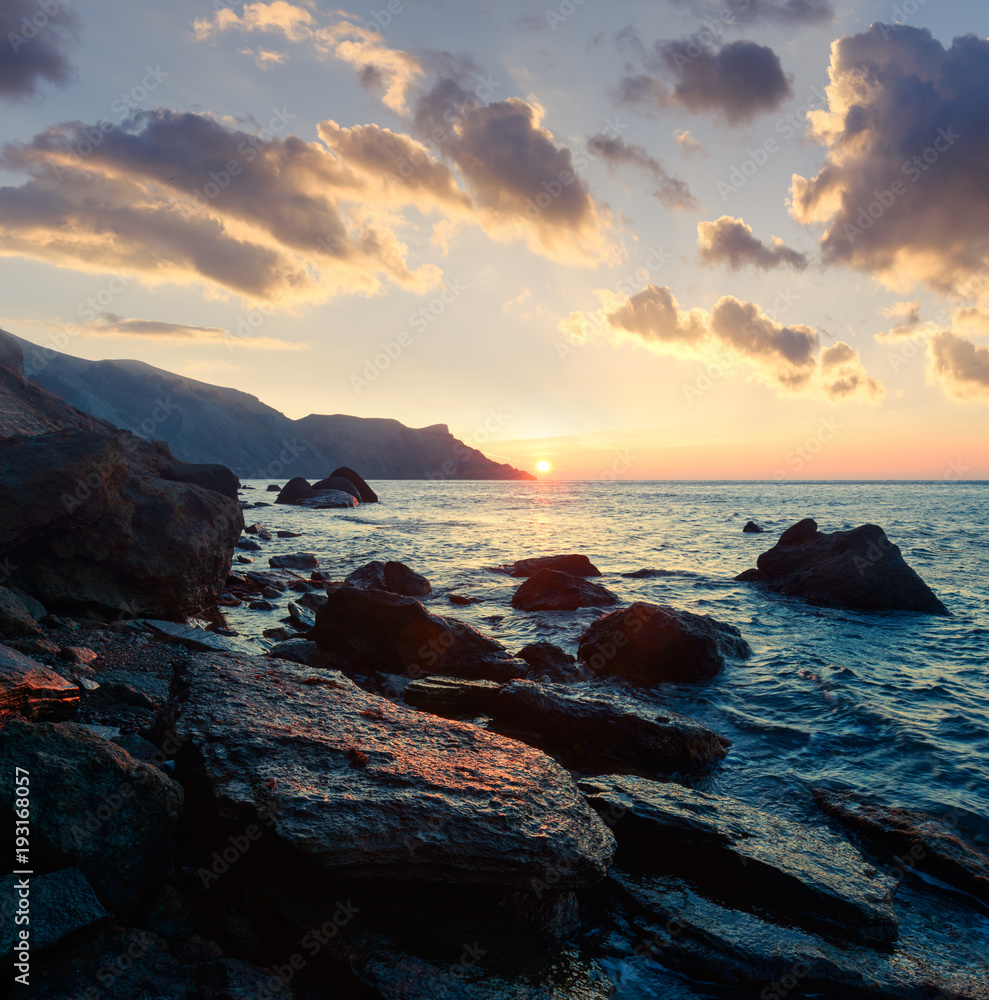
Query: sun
(543, 466)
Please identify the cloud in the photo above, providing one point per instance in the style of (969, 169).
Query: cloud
(730, 241)
(734, 82)
(960, 367)
(903, 186)
(689, 146)
(909, 325)
(33, 44)
(795, 13)
(263, 58)
(787, 358)
(673, 192)
(111, 325)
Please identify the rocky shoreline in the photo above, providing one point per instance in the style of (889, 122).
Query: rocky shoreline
(376, 800)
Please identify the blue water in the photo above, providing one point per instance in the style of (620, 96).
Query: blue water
(893, 705)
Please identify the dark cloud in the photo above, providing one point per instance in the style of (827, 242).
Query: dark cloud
(730, 241)
(33, 44)
(673, 192)
(960, 367)
(796, 13)
(736, 81)
(111, 323)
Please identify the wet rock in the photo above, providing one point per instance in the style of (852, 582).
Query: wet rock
(261, 606)
(549, 663)
(15, 616)
(313, 601)
(462, 601)
(92, 804)
(759, 860)
(249, 545)
(364, 630)
(289, 534)
(361, 787)
(62, 904)
(274, 488)
(293, 491)
(575, 565)
(246, 560)
(337, 483)
(260, 530)
(654, 643)
(298, 651)
(299, 493)
(751, 528)
(366, 494)
(298, 560)
(913, 840)
(859, 569)
(197, 638)
(392, 576)
(80, 655)
(217, 478)
(551, 590)
(31, 690)
(305, 617)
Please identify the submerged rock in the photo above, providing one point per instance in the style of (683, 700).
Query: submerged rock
(575, 565)
(654, 643)
(392, 576)
(751, 528)
(361, 787)
(31, 690)
(859, 569)
(365, 630)
(763, 862)
(552, 590)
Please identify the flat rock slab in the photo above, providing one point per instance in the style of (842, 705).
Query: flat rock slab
(62, 903)
(198, 639)
(914, 839)
(552, 590)
(366, 788)
(812, 876)
(32, 690)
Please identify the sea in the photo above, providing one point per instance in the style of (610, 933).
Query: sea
(891, 705)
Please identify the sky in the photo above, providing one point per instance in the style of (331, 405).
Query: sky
(675, 239)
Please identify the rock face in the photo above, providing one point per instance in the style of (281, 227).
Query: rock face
(15, 616)
(395, 577)
(575, 565)
(88, 521)
(365, 630)
(31, 690)
(217, 478)
(552, 590)
(762, 861)
(364, 788)
(93, 804)
(914, 840)
(299, 493)
(653, 643)
(364, 492)
(860, 569)
(583, 729)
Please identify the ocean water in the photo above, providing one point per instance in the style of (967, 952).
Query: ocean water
(892, 705)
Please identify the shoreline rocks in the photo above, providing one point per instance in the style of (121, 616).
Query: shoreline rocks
(553, 590)
(575, 565)
(395, 577)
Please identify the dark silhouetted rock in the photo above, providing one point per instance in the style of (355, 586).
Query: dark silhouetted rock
(392, 576)
(15, 616)
(299, 493)
(913, 840)
(462, 601)
(298, 560)
(249, 545)
(365, 788)
(549, 662)
(337, 483)
(289, 534)
(217, 478)
(654, 643)
(305, 617)
(751, 528)
(575, 565)
(551, 590)
(260, 530)
(298, 651)
(859, 569)
(294, 491)
(364, 492)
(364, 630)
(273, 488)
(31, 690)
(758, 861)
(109, 815)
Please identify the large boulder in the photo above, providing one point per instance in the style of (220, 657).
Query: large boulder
(860, 569)
(217, 478)
(32, 690)
(366, 494)
(360, 787)
(94, 805)
(552, 590)
(548, 662)
(87, 520)
(395, 577)
(366, 630)
(575, 565)
(299, 493)
(337, 483)
(654, 643)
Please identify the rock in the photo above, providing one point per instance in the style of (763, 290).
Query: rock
(364, 788)
(299, 493)
(260, 530)
(38, 645)
(392, 576)
(752, 528)
(289, 534)
(107, 814)
(462, 601)
(913, 840)
(312, 600)
(245, 560)
(337, 483)
(271, 593)
(654, 643)
(550, 663)
(280, 634)
(261, 503)
(300, 560)
(88, 522)
(575, 565)
(551, 590)
(217, 478)
(366, 494)
(301, 614)
(274, 488)
(298, 651)
(29, 689)
(249, 545)
(859, 569)
(15, 616)
(62, 903)
(293, 491)
(364, 630)
(261, 606)
(198, 638)
(762, 862)
(80, 655)
(581, 729)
